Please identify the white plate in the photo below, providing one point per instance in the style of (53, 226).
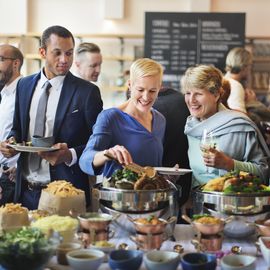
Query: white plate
(172, 171)
(32, 149)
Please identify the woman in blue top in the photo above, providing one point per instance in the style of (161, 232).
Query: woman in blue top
(239, 143)
(132, 132)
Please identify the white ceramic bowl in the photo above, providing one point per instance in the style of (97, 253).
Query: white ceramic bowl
(265, 249)
(160, 260)
(238, 262)
(83, 259)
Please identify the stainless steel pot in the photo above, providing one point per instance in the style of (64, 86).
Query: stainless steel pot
(233, 204)
(133, 201)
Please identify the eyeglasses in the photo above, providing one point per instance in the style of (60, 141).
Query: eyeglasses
(3, 58)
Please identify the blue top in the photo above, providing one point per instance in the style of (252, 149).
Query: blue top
(115, 127)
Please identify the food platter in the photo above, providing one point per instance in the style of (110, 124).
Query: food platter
(233, 203)
(31, 149)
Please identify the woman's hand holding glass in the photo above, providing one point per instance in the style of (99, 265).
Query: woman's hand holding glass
(208, 143)
(217, 159)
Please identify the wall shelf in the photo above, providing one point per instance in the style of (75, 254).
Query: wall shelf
(260, 48)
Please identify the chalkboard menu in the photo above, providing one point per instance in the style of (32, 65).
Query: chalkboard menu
(181, 40)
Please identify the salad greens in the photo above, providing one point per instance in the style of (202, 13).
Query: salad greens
(25, 241)
(127, 174)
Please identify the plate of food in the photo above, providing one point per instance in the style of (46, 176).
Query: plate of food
(172, 170)
(236, 183)
(128, 180)
(31, 149)
(234, 193)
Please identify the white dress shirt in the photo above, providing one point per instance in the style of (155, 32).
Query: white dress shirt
(7, 106)
(43, 173)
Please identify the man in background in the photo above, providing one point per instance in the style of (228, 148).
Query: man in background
(71, 106)
(11, 61)
(88, 60)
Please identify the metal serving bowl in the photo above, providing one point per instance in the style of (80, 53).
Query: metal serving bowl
(134, 201)
(233, 204)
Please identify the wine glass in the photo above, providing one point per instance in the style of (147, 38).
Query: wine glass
(208, 142)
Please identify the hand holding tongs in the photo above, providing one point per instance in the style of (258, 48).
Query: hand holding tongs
(149, 171)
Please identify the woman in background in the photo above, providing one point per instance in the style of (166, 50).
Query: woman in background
(239, 143)
(132, 132)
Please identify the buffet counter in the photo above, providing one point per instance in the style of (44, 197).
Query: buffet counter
(183, 235)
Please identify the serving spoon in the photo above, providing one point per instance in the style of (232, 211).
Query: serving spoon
(149, 171)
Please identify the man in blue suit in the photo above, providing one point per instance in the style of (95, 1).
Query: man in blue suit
(72, 107)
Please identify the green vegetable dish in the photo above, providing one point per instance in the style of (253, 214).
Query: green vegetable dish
(244, 183)
(26, 248)
(122, 178)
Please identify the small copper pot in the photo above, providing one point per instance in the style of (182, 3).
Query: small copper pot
(149, 241)
(92, 236)
(211, 229)
(152, 229)
(95, 221)
(212, 242)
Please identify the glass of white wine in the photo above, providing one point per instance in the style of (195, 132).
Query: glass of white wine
(208, 141)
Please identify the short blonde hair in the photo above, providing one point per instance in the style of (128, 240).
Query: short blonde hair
(145, 67)
(203, 77)
(237, 59)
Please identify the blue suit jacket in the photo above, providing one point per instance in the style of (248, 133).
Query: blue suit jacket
(79, 105)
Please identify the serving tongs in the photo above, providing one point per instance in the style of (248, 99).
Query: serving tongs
(149, 171)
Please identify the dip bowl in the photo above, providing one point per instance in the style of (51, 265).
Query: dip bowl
(160, 260)
(238, 262)
(83, 259)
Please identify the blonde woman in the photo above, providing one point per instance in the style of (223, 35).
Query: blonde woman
(238, 65)
(132, 132)
(240, 145)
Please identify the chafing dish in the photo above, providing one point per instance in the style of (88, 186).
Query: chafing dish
(163, 203)
(233, 204)
(134, 201)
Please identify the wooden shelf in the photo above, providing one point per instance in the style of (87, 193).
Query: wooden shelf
(261, 59)
(116, 88)
(33, 56)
